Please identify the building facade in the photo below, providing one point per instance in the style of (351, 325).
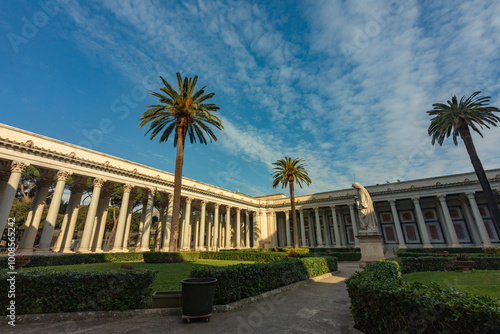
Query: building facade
(447, 211)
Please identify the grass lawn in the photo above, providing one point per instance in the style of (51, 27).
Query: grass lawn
(480, 282)
(169, 274)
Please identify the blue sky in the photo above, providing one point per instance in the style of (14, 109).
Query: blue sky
(344, 85)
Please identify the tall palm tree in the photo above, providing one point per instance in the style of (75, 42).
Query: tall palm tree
(181, 113)
(455, 118)
(287, 171)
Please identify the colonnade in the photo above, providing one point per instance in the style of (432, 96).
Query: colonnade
(406, 225)
(204, 225)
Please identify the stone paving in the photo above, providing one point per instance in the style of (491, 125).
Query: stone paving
(316, 307)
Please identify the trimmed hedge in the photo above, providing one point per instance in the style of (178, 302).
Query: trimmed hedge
(382, 302)
(247, 280)
(334, 250)
(445, 263)
(69, 259)
(163, 257)
(410, 252)
(244, 256)
(341, 256)
(49, 291)
(296, 250)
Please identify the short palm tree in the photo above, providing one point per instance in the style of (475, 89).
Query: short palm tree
(455, 118)
(287, 171)
(182, 114)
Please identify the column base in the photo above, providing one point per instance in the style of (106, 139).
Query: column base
(25, 251)
(428, 246)
(144, 250)
(338, 246)
(84, 251)
(402, 246)
(116, 250)
(44, 252)
(320, 246)
(165, 249)
(66, 251)
(455, 245)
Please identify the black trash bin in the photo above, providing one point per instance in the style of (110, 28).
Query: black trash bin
(198, 298)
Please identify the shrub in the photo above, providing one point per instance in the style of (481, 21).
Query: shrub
(445, 263)
(296, 250)
(162, 257)
(49, 291)
(381, 302)
(341, 256)
(247, 280)
(414, 252)
(491, 250)
(244, 256)
(69, 259)
(333, 250)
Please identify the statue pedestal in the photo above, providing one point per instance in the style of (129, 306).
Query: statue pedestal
(372, 249)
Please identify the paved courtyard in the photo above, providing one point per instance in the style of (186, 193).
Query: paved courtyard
(317, 307)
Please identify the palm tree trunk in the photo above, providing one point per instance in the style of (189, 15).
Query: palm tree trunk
(481, 175)
(179, 160)
(294, 217)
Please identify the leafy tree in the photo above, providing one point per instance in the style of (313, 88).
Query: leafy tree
(182, 114)
(455, 118)
(287, 171)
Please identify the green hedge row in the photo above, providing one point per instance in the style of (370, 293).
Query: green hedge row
(163, 257)
(445, 263)
(410, 252)
(296, 250)
(244, 256)
(333, 250)
(381, 302)
(50, 291)
(341, 256)
(247, 280)
(69, 259)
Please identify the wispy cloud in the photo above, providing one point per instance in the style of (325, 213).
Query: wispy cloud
(348, 93)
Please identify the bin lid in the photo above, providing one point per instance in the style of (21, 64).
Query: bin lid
(202, 280)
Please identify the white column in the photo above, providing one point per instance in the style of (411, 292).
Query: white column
(63, 244)
(210, 221)
(28, 238)
(216, 227)
(238, 228)
(449, 221)
(483, 233)
(302, 228)
(147, 223)
(9, 193)
(228, 227)
(122, 220)
(312, 231)
(326, 231)
(255, 230)
(336, 227)
(397, 224)
(470, 221)
(186, 240)
(421, 223)
(161, 223)
(103, 218)
(50, 222)
(201, 243)
(354, 225)
(89, 222)
(196, 231)
(247, 229)
(168, 224)
(129, 221)
(145, 192)
(275, 228)
(318, 228)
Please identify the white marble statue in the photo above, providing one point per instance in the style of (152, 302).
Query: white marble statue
(367, 216)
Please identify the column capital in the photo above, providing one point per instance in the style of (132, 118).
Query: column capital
(63, 175)
(416, 200)
(228, 207)
(18, 167)
(170, 197)
(471, 195)
(316, 209)
(203, 203)
(127, 188)
(238, 210)
(351, 206)
(188, 200)
(333, 207)
(392, 202)
(216, 205)
(99, 182)
(151, 191)
(441, 198)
